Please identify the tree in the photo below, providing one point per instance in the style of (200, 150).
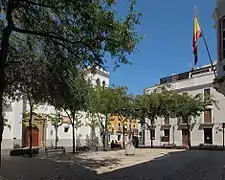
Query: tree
(30, 82)
(103, 104)
(99, 107)
(81, 30)
(123, 108)
(71, 95)
(185, 106)
(56, 121)
(153, 105)
(93, 123)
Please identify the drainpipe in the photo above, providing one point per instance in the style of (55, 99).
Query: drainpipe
(173, 135)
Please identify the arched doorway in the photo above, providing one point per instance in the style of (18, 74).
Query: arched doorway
(35, 136)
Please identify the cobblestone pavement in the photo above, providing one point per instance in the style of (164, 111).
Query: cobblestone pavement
(177, 165)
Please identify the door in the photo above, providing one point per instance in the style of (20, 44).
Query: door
(34, 136)
(208, 135)
(185, 137)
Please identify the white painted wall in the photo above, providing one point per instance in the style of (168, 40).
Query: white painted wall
(13, 135)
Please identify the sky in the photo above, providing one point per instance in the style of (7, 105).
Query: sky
(166, 49)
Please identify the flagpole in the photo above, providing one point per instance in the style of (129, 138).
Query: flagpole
(205, 42)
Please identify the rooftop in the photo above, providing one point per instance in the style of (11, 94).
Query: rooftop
(189, 74)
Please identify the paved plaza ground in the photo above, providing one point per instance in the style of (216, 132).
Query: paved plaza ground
(147, 164)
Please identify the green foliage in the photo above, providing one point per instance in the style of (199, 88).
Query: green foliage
(72, 92)
(26, 118)
(81, 29)
(150, 105)
(185, 105)
(55, 119)
(105, 102)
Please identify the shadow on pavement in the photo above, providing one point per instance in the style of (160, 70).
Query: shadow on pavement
(81, 160)
(185, 165)
(40, 169)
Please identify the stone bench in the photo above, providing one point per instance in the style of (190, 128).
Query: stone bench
(55, 150)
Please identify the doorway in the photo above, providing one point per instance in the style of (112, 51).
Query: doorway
(35, 137)
(208, 135)
(185, 137)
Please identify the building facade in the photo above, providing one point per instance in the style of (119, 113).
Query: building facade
(17, 135)
(206, 128)
(219, 16)
(116, 129)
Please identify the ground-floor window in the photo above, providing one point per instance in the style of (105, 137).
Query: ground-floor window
(152, 131)
(208, 135)
(166, 135)
(119, 137)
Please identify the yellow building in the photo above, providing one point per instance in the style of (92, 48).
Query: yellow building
(115, 128)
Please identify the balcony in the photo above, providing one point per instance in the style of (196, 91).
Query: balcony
(166, 123)
(207, 120)
(182, 123)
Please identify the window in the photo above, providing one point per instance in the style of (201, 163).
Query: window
(66, 129)
(103, 83)
(206, 92)
(109, 138)
(197, 72)
(208, 116)
(134, 126)
(166, 132)
(51, 132)
(152, 131)
(167, 120)
(119, 127)
(119, 138)
(98, 83)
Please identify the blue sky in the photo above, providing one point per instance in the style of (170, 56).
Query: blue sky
(166, 49)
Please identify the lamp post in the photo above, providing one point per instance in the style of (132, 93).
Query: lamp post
(223, 126)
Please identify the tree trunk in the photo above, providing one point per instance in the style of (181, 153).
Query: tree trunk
(189, 136)
(74, 148)
(123, 136)
(103, 141)
(30, 129)
(1, 124)
(56, 136)
(151, 139)
(3, 57)
(151, 133)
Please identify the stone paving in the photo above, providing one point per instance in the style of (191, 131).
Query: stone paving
(147, 164)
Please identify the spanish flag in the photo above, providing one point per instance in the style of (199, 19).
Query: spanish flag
(197, 33)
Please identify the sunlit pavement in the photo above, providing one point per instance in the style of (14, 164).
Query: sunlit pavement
(188, 165)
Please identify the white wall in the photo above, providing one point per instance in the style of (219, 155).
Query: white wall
(13, 135)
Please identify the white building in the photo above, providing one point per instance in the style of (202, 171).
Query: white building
(219, 16)
(205, 129)
(44, 132)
